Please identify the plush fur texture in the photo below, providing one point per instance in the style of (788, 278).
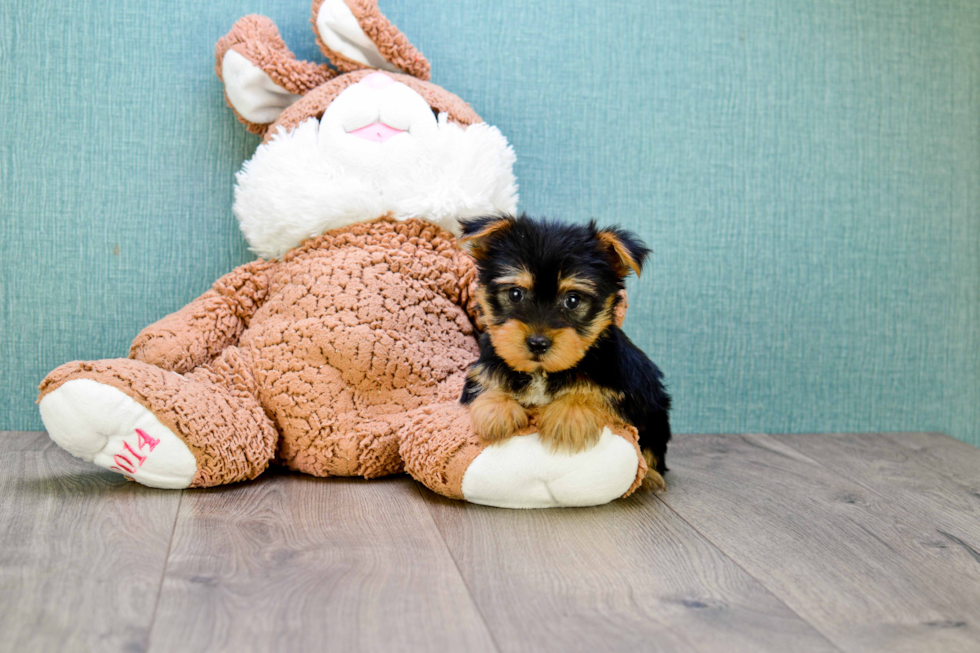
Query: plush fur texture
(308, 181)
(548, 291)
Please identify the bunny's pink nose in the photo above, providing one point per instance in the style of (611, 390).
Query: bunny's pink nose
(377, 80)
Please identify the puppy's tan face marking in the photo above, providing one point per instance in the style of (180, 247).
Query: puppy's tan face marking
(518, 277)
(567, 350)
(510, 342)
(485, 307)
(571, 346)
(568, 345)
(576, 284)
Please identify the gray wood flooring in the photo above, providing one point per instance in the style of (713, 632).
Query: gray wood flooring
(851, 542)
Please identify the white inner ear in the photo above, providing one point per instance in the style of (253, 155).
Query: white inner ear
(339, 30)
(251, 91)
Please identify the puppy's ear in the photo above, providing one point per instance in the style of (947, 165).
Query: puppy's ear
(477, 232)
(626, 251)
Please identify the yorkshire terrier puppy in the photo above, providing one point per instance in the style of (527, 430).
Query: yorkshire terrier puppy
(548, 292)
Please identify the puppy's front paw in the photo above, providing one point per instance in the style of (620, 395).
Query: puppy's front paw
(496, 416)
(570, 424)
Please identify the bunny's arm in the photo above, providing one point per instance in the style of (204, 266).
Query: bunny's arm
(198, 332)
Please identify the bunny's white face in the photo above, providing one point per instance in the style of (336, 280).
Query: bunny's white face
(380, 111)
(379, 149)
(333, 157)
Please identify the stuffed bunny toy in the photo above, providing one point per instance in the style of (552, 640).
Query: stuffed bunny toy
(343, 349)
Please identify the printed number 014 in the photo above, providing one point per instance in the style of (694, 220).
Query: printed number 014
(123, 463)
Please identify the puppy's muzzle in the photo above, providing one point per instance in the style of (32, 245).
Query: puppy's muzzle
(538, 345)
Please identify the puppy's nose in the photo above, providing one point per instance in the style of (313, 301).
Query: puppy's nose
(377, 80)
(538, 344)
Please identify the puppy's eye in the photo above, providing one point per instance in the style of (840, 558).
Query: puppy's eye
(435, 112)
(515, 295)
(572, 301)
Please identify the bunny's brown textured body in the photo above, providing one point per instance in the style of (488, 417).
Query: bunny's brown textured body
(360, 327)
(330, 352)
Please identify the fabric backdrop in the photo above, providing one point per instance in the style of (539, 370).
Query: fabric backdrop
(807, 173)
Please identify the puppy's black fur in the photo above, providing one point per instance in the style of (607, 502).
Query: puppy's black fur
(548, 292)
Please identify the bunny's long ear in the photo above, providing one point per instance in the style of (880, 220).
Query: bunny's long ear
(261, 76)
(354, 34)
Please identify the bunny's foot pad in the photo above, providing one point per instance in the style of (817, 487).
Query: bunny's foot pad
(522, 472)
(102, 425)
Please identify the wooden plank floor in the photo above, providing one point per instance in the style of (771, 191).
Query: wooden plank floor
(851, 542)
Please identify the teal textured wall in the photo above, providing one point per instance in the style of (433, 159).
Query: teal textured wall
(808, 174)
